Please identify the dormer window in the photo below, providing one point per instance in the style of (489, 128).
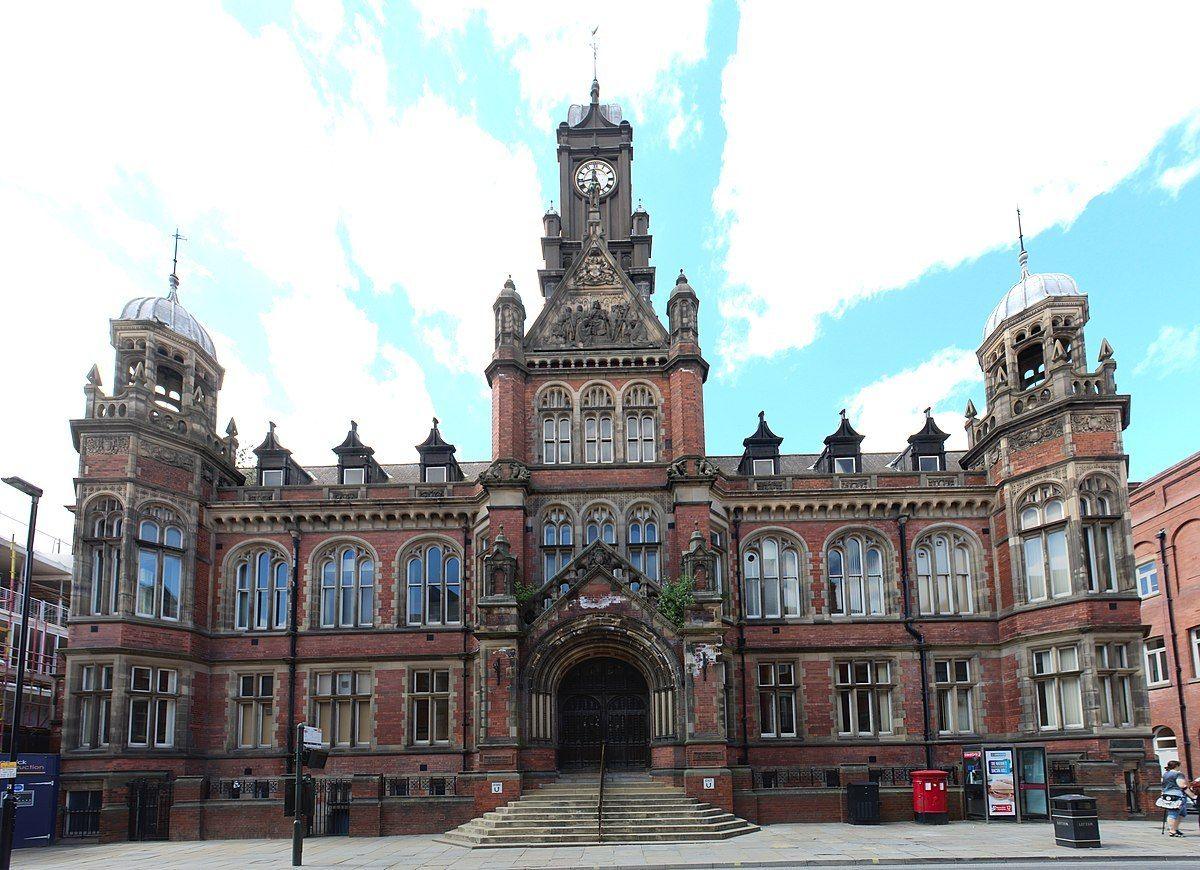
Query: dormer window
(844, 465)
(354, 475)
(764, 467)
(272, 477)
(435, 474)
(929, 463)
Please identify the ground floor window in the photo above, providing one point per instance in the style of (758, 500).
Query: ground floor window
(152, 703)
(430, 706)
(82, 817)
(777, 699)
(954, 696)
(864, 698)
(343, 707)
(256, 711)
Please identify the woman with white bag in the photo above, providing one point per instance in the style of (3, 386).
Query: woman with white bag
(1173, 799)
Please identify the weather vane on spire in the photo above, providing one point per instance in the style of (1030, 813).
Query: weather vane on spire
(595, 52)
(175, 266)
(1023, 257)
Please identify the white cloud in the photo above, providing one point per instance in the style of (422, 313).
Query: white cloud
(1175, 177)
(642, 45)
(278, 147)
(887, 411)
(1175, 349)
(872, 144)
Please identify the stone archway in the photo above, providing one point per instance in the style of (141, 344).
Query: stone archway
(644, 674)
(604, 705)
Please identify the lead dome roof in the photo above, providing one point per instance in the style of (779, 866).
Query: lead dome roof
(168, 311)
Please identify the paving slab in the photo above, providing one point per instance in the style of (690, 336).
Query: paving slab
(1125, 842)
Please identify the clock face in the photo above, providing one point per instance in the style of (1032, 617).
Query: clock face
(598, 171)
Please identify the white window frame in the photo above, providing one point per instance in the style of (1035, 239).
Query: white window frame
(1045, 556)
(845, 465)
(332, 690)
(762, 467)
(863, 585)
(437, 586)
(944, 568)
(261, 590)
(436, 474)
(1147, 572)
(429, 693)
(771, 578)
(255, 698)
(1154, 655)
(354, 476)
(271, 477)
(1057, 674)
(923, 460)
(868, 681)
(1115, 679)
(159, 698)
(776, 692)
(348, 579)
(955, 687)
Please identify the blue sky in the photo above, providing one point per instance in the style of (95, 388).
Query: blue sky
(356, 181)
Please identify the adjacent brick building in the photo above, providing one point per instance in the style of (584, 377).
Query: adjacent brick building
(1166, 543)
(758, 627)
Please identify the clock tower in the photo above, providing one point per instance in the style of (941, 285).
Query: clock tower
(595, 146)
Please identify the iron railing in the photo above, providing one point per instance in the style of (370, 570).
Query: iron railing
(600, 801)
(246, 788)
(831, 777)
(420, 786)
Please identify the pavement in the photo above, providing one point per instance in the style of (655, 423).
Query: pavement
(826, 845)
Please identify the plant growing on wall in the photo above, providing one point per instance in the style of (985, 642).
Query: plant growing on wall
(674, 600)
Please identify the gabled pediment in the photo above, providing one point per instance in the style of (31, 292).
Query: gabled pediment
(599, 579)
(596, 306)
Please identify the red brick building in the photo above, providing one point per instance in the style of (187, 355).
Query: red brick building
(759, 628)
(1166, 543)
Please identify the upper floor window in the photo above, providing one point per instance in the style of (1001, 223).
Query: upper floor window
(168, 387)
(597, 405)
(93, 710)
(1156, 662)
(856, 577)
(354, 475)
(640, 438)
(102, 537)
(271, 477)
(771, 566)
(844, 465)
(600, 525)
(1097, 511)
(1043, 523)
(1056, 683)
(763, 467)
(261, 590)
(152, 698)
(160, 564)
(944, 574)
(557, 542)
(642, 535)
(1147, 579)
(1115, 679)
(929, 463)
(555, 408)
(347, 588)
(434, 586)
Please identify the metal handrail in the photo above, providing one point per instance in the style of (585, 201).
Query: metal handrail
(600, 801)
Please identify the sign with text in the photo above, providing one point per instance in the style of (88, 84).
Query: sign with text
(709, 783)
(8, 770)
(313, 737)
(1001, 786)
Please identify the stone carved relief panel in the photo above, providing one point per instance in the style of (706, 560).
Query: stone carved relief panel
(1036, 434)
(105, 444)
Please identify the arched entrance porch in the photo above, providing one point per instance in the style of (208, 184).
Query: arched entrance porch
(603, 703)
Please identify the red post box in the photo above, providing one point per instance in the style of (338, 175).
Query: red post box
(929, 797)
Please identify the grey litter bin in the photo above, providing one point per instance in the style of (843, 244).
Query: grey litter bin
(862, 803)
(1076, 822)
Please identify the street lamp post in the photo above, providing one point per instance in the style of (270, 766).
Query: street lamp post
(8, 808)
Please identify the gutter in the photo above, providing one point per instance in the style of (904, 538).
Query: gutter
(466, 629)
(741, 642)
(1183, 722)
(293, 637)
(922, 649)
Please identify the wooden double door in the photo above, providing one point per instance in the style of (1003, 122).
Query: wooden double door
(603, 702)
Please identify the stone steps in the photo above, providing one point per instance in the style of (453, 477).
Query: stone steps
(637, 809)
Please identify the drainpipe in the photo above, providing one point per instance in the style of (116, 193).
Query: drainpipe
(1183, 722)
(741, 642)
(467, 575)
(293, 630)
(922, 650)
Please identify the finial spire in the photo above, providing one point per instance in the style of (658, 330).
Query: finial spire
(173, 293)
(1023, 257)
(595, 53)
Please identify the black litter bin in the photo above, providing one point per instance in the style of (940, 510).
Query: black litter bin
(862, 803)
(1076, 823)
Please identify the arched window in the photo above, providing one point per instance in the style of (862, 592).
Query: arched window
(102, 539)
(160, 564)
(855, 567)
(347, 588)
(261, 577)
(771, 567)
(640, 424)
(168, 389)
(1043, 524)
(434, 575)
(1098, 516)
(555, 408)
(1031, 365)
(643, 540)
(944, 574)
(597, 404)
(557, 542)
(600, 525)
